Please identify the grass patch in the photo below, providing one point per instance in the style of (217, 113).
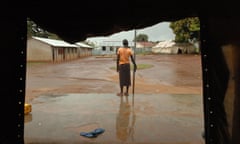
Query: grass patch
(139, 66)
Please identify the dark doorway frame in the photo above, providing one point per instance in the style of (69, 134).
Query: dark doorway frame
(13, 60)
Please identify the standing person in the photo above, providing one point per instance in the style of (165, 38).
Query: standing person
(123, 67)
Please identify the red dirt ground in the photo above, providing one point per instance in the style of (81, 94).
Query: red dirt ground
(173, 74)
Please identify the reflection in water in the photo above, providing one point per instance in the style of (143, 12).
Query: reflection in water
(125, 120)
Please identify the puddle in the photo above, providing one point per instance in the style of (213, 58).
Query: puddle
(156, 118)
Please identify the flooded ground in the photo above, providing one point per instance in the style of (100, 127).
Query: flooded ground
(172, 74)
(80, 96)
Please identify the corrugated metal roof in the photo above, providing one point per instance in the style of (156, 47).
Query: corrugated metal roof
(83, 45)
(54, 42)
(163, 44)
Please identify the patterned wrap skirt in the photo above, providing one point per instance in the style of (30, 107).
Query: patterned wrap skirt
(124, 75)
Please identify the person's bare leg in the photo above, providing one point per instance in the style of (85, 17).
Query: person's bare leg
(126, 93)
(121, 91)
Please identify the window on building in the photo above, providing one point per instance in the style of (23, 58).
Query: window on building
(104, 48)
(111, 48)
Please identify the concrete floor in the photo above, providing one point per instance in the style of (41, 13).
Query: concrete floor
(138, 119)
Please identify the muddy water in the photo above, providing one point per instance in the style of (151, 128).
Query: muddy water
(155, 118)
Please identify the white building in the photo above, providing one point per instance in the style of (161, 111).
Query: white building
(51, 50)
(170, 47)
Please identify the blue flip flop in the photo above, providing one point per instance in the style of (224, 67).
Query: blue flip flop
(88, 134)
(98, 131)
(93, 134)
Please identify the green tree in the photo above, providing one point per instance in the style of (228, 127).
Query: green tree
(186, 29)
(141, 38)
(34, 30)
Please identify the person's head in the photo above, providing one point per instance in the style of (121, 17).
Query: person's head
(125, 42)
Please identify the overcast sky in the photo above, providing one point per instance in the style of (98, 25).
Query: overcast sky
(158, 32)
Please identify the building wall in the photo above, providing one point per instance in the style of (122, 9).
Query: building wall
(58, 54)
(83, 52)
(38, 51)
(143, 50)
(105, 50)
(71, 53)
(65, 53)
(42, 52)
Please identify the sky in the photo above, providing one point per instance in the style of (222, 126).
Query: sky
(158, 32)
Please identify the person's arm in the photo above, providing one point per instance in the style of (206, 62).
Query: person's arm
(117, 63)
(134, 63)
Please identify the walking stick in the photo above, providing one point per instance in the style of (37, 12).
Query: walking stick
(133, 82)
(134, 57)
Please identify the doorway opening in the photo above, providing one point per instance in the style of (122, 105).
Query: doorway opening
(79, 94)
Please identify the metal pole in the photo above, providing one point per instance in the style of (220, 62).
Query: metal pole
(134, 57)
